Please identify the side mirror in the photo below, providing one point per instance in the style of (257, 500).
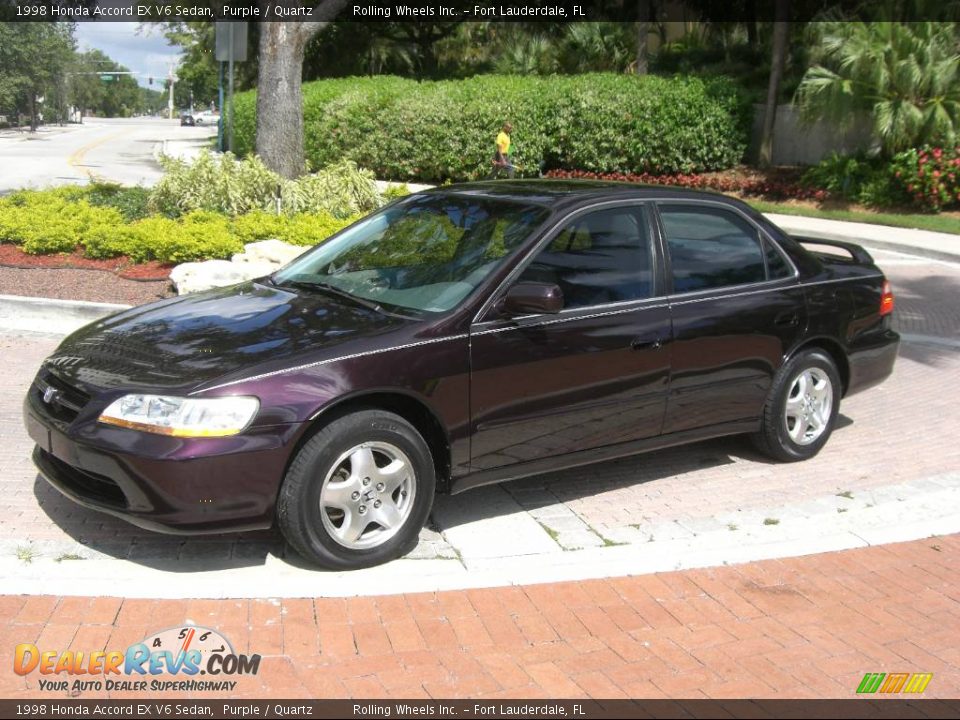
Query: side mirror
(533, 297)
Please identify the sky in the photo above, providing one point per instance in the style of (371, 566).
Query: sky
(145, 52)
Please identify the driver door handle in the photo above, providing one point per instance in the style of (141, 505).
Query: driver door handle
(646, 343)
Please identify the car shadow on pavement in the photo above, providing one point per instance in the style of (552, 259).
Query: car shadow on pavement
(586, 481)
(105, 535)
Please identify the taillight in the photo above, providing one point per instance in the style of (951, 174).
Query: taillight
(886, 299)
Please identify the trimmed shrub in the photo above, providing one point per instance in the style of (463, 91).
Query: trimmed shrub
(301, 229)
(437, 131)
(51, 221)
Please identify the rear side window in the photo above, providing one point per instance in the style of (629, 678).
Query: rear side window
(714, 248)
(600, 257)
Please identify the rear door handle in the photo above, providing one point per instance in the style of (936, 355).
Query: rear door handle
(786, 319)
(645, 343)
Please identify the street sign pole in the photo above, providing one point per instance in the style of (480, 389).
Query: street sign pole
(222, 114)
(230, 119)
(231, 47)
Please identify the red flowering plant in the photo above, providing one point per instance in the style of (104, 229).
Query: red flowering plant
(930, 176)
(773, 188)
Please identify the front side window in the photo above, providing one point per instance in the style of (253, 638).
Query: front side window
(713, 248)
(600, 257)
(424, 254)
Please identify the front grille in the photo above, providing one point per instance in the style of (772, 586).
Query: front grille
(61, 399)
(89, 485)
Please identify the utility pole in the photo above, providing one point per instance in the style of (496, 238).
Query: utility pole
(172, 80)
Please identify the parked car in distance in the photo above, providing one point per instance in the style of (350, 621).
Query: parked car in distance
(462, 336)
(206, 117)
(186, 119)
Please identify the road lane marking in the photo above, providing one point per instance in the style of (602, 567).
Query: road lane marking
(76, 158)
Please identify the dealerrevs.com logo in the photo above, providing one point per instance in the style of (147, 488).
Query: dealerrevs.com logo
(189, 651)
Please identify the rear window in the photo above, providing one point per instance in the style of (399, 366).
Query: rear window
(714, 248)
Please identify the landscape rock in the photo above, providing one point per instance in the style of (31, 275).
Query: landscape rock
(257, 259)
(272, 251)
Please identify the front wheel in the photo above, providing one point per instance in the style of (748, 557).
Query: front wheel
(358, 491)
(802, 408)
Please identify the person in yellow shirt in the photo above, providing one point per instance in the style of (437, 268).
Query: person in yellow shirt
(502, 162)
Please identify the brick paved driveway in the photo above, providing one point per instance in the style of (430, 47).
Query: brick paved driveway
(798, 628)
(895, 436)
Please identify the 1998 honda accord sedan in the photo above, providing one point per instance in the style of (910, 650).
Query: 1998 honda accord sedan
(461, 336)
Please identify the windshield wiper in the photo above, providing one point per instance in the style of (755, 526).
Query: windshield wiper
(314, 285)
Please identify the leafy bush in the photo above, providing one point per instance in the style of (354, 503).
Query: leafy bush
(63, 220)
(214, 183)
(856, 178)
(227, 185)
(436, 131)
(50, 221)
(301, 229)
(341, 190)
(130, 201)
(930, 176)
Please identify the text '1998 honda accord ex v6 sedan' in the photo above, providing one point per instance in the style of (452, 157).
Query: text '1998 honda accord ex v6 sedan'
(457, 337)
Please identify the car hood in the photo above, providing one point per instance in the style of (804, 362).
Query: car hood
(187, 341)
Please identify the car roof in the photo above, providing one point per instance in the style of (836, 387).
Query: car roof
(562, 193)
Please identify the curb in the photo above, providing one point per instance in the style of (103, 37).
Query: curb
(51, 315)
(797, 227)
(264, 574)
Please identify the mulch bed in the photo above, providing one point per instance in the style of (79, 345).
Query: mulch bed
(70, 276)
(13, 256)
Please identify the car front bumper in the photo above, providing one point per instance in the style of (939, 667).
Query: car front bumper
(161, 483)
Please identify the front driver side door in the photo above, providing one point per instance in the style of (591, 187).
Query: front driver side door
(594, 374)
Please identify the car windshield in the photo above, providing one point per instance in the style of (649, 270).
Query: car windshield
(425, 253)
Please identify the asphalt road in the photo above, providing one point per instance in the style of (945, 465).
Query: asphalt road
(119, 150)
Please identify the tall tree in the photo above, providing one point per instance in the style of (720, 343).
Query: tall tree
(781, 30)
(279, 92)
(643, 34)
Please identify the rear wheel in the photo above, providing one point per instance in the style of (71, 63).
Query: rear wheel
(358, 491)
(801, 409)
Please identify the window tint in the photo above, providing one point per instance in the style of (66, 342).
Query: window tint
(777, 267)
(711, 248)
(600, 257)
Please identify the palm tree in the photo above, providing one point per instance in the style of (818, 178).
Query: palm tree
(906, 75)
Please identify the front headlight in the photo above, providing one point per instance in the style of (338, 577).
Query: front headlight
(182, 417)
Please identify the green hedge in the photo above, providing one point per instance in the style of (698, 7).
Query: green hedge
(65, 219)
(437, 131)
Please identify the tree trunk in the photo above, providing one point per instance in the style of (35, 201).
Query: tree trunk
(279, 93)
(643, 33)
(781, 29)
(280, 99)
(34, 122)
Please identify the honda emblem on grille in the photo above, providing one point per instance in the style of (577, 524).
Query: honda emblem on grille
(51, 395)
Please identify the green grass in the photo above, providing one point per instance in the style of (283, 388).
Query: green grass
(920, 221)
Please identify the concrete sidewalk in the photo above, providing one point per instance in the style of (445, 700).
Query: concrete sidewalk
(799, 628)
(938, 246)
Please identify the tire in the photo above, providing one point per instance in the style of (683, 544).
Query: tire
(358, 492)
(796, 422)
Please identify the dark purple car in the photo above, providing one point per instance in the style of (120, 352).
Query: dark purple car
(463, 336)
